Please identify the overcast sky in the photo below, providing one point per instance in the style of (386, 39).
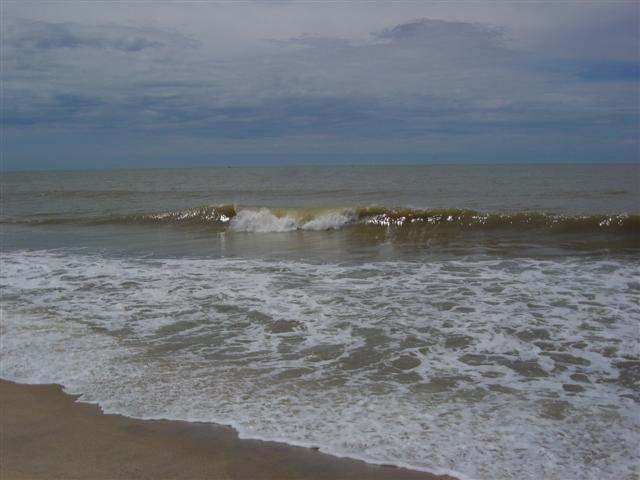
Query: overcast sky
(115, 84)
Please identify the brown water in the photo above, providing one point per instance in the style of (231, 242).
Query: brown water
(480, 320)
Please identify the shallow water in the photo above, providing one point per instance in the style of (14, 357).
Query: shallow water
(504, 349)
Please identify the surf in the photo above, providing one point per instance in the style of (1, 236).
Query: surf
(263, 219)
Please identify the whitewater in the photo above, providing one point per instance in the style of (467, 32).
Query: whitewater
(477, 320)
(463, 366)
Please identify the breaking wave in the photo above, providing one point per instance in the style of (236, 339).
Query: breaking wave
(264, 220)
(288, 219)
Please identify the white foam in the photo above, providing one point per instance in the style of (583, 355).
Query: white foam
(328, 221)
(262, 221)
(308, 353)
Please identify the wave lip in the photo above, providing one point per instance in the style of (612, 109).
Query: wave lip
(197, 215)
(265, 220)
(262, 219)
(472, 219)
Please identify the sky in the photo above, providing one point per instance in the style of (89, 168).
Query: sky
(172, 84)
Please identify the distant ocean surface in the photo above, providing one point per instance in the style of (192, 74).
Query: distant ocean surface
(475, 320)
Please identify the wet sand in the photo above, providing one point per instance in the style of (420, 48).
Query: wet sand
(45, 433)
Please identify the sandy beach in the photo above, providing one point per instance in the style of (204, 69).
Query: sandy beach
(45, 433)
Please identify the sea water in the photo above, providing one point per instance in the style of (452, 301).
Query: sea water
(480, 321)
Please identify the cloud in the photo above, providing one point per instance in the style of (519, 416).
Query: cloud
(38, 35)
(611, 71)
(600, 32)
(57, 109)
(419, 85)
(440, 33)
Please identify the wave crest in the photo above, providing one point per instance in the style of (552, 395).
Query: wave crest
(288, 219)
(264, 220)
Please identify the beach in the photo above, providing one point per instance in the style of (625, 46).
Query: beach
(276, 240)
(431, 322)
(46, 433)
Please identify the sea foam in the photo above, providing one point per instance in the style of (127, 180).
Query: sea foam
(264, 220)
(491, 368)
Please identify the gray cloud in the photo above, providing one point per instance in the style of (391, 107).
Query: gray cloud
(439, 33)
(419, 85)
(27, 35)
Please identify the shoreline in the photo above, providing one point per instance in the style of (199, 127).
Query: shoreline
(47, 433)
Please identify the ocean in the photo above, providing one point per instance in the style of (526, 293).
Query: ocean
(480, 321)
